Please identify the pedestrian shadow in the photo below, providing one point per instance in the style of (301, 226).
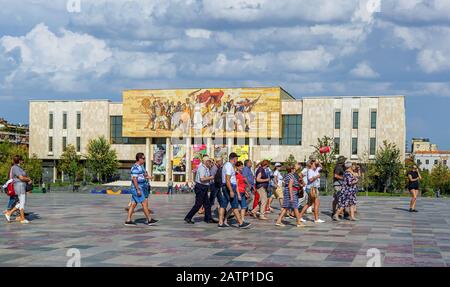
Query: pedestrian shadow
(401, 209)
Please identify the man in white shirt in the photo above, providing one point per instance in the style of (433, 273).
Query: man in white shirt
(277, 188)
(202, 181)
(229, 194)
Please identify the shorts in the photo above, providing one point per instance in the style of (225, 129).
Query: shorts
(135, 197)
(243, 201)
(225, 198)
(278, 194)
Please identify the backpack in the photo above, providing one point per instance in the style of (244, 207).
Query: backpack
(218, 178)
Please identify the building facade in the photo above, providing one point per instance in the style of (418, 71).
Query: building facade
(17, 134)
(358, 125)
(428, 159)
(422, 144)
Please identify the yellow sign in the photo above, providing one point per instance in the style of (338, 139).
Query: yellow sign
(241, 151)
(239, 112)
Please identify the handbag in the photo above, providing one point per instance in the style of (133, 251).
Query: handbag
(10, 185)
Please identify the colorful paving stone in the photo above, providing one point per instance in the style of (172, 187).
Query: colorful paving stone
(93, 224)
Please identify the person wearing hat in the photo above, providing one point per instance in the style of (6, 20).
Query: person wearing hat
(278, 187)
(338, 181)
(201, 188)
(229, 193)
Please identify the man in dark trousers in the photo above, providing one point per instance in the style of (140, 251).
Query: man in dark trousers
(202, 182)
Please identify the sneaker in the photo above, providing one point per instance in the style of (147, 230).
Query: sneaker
(303, 220)
(223, 225)
(8, 217)
(151, 222)
(24, 221)
(301, 225)
(410, 210)
(263, 218)
(414, 210)
(354, 219)
(319, 221)
(336, 218)
(280, 224)
(244, 225)
(130, 223)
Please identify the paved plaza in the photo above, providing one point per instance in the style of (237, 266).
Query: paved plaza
(94, 225)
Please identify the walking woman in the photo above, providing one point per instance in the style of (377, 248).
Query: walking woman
(278, 187)
(413, 187)
(262, 184)
(347, 196)
(292, 187)
(241, 188)
(312, 189)
(21, 180)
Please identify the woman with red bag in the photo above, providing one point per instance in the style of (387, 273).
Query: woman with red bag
(21, 180)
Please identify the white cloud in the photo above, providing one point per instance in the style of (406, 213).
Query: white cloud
(70, 61)
(363, 70)
(306, 60)
(198, 33)
(431, 43)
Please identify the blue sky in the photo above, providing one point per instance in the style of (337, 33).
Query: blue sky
(311, 48)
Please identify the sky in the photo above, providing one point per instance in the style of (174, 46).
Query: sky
(94, 49)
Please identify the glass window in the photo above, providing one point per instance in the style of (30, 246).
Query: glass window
(78, 144)
(64, 121)
(373, 146)
(355, 119)
(427, 161)
(64, 143)
(435, 161)
(337, 145)
(78, 120)
(419, 161)
(50, 121)
(292, 130)
(337, 119)
(116, 133)
(354, 146)
(373, 119)
(50, 144)
(444, 162)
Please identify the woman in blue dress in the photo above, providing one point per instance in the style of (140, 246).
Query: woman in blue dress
(292, 186)
(347, 197)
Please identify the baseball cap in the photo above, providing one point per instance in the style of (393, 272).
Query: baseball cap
(278, 164)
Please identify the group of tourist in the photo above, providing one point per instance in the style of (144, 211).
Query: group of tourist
(238, 190)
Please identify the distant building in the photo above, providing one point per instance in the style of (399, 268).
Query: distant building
(422, 144)
(428, 159)
(17, 134)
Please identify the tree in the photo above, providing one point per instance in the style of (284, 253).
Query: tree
(290, 161)
(33, 167)
(70, 163)
(440, 178)
(101, 159)
(326, 159)
(388, 169)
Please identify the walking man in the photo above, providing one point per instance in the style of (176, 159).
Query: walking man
(202, 182)
(139, 186)
(229, 193)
